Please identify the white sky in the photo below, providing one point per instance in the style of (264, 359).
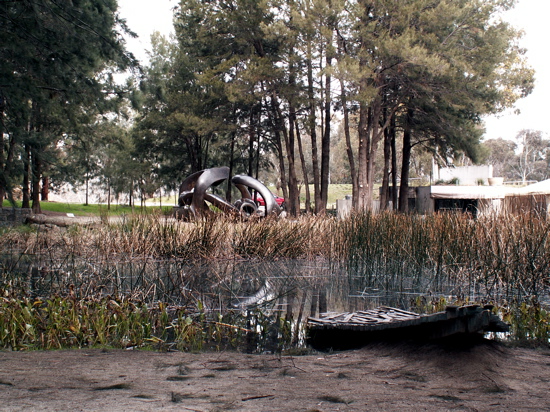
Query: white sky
(532, 17)
(146, 16)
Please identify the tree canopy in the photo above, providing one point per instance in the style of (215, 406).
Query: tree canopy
(58, 59)
(274, 85)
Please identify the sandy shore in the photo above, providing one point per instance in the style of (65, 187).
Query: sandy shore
(484, 377)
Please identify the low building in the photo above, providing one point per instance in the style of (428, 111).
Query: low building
(484, 200)
(476, 200)
(534, 198)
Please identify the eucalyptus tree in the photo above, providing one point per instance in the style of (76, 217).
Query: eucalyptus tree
(57, 63)
(192, 113)
(484, 72)
(87, 154)
(226, 95)
(532, 160)
(313, 25)
(501, 154)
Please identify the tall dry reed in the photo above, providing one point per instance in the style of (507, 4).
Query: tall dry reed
(500, 256)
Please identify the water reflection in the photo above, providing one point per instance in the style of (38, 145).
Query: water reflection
(305, 287)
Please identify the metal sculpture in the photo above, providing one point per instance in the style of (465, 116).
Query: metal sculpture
(193, 196)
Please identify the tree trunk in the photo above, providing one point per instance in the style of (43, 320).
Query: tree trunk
(304, 169)
(385, 191)
(364, 140)
(3, 165)
(376, 135)
(388, 190)
(349, 149)
(251, 140)
(108, 194)
(393, 133)
(404, 187)
(26, 178)
(87, 188)
(293, 204)
(325, 143)
(36, 177)
(131, 196)
(312, 120)
(231, 165)
(45, 192)
(257, 163)
(293, 194)
(272, 114)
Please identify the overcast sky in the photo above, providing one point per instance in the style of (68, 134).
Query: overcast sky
(146, 16)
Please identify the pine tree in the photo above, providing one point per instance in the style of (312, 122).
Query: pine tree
(57, 63)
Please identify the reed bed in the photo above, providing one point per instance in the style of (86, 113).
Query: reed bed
(497, 257)
(210, 264)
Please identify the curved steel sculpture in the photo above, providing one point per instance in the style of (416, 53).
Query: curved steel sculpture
(193, 196)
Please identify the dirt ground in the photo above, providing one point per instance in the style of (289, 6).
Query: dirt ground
(483, 377)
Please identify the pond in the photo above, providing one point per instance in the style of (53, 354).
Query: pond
(255, 293)
(308, 286)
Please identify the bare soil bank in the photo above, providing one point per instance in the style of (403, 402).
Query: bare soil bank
(481, 377)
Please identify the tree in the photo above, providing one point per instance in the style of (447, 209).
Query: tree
(532, 159)
(437, 67)
(246, 79)
(57, 64)
(501, 154)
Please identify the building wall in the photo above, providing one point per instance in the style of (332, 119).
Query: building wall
(522, 204)
(467, 175)
(488, 207)
(424, 202)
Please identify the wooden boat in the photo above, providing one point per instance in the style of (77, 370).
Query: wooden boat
(347, 330)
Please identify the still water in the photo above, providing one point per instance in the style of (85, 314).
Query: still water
(309, 286)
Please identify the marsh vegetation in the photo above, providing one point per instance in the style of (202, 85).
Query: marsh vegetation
(218, 283)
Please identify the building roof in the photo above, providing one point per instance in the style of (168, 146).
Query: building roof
(470, 192)
(539, 188)
(488, 192)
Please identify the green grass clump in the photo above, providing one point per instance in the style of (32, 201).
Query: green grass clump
(529, 321)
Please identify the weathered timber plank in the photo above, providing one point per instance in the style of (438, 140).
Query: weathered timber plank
(388, 308)
(330, 315)
(365, 318)
(348, 317)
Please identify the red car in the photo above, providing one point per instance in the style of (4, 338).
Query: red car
(261, 202)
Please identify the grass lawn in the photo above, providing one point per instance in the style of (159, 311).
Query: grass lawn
(79, 209)
(336, 191)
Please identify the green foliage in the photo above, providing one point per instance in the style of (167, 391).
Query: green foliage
(58, 60)
(58, 322)
(529, 320)
(242, 83)
(118, 322)
(501, 154)
(524, 159)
